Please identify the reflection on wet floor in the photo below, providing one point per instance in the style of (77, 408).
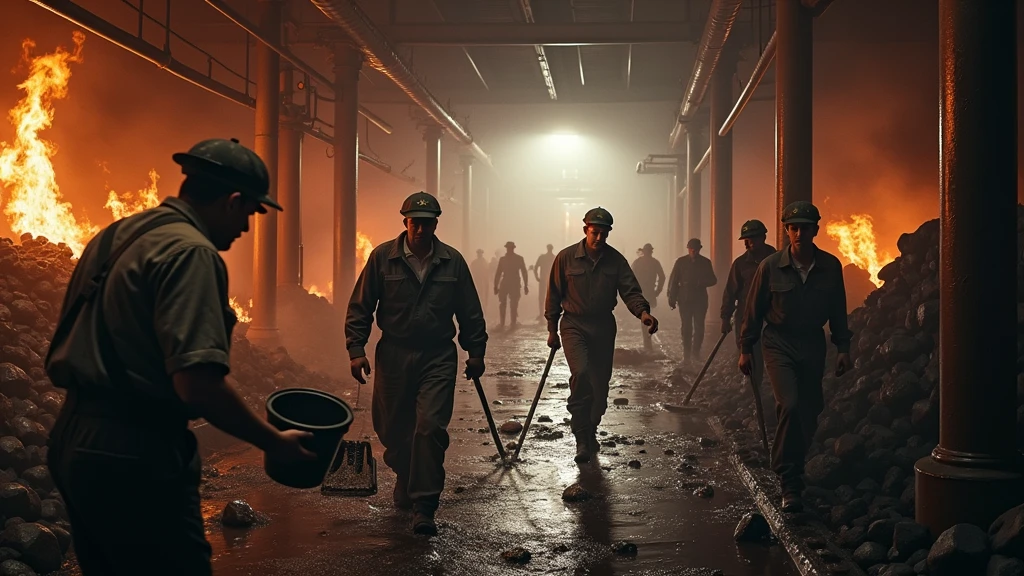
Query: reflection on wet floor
(487, 509)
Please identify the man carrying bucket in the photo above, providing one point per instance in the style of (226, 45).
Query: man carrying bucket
(142, 347)
(416, 284)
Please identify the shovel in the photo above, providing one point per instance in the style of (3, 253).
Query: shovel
(707, 364)
(533, 407)
(490, 419)
(760, 413)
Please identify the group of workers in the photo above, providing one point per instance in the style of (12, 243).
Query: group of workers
(142, 347)
(505, 270)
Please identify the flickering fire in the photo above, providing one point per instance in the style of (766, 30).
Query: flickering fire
(122, 205)
(363, 248)
(241, 313)
(34, 203)
(857, 244)
(329, 294)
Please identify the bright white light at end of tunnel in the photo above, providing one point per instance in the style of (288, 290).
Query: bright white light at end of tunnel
(563, 143)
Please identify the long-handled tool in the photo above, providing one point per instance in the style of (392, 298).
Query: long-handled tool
(533, 407)
(707, 363)
(760, 413)
(490, 419)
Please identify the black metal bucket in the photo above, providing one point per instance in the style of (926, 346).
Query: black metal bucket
(326, 416)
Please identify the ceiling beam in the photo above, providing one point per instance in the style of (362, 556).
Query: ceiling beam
(526, 34)
(542, 57)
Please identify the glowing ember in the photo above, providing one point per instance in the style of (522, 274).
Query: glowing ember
(857, 244)
(130, 203)
(35, 204)
(241, 313)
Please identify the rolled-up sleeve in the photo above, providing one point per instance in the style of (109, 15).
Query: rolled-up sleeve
(190, 307)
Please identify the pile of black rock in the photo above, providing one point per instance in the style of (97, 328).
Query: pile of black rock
(879, 419)
(33, 279)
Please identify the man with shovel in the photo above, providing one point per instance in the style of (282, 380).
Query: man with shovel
(793, 293)
(416, 284)
(741, 275)
(584, 282)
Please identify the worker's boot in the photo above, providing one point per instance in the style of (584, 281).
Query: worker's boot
(423, 520)
(595, 444)
(583, 445)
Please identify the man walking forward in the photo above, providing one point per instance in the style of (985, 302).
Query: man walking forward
(478, 269)
(688, 285)
(795, 291)
(652, 281)
(511, 267)
(741, 275)
(584, 281)
(416, 283)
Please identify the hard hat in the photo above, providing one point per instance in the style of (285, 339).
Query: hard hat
(231, 164)
(510, 244)
(598, 216)
(421, 205)
(694, 243)
(800, 212)
(648, 248)
(752, 228)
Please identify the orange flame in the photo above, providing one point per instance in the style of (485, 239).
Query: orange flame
(122, 205)
(857, 244)
(35, 204)
(241, 313)
(364, 246)
(328, 295)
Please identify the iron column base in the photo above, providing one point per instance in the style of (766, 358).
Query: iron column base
(965, 495)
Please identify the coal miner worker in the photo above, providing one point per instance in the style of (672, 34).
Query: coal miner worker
(651, 276)
(479, 270)
(417, 285)
(541, 272)
(688, 285)
(142, 347)
(753, 233)
(511, 267)
(582, 289)
(793, 293)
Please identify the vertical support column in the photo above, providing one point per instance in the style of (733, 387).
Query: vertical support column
(432, 136)
(974, 473)
(467, 205)
(289, 224)
(694, 152)
(721, 171)
(673, 214)
(268, 98)
(793, 112)
(347, 62)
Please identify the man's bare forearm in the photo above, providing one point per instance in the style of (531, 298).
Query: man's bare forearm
(219, 403)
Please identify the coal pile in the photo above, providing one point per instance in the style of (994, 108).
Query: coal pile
(880, 417)
(33, 278)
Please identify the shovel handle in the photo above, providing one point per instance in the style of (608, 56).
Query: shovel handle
(707, 364)
(490, 419)
(533, 407)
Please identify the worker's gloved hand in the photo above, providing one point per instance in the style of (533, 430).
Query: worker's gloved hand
(554, 342)
(474, 368)
(746, 363)
(359, 367)
(726, 326)
(650, 321)
(287, 447)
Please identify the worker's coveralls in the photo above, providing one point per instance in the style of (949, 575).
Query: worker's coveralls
(795, 305)
(542, 271)
(506, 279)
(479, 268)
(122, 439)
(688, 286)
(651, 277)
(416, 362)
(582, 293)
(734, 300)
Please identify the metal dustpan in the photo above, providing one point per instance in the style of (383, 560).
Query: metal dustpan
(353, 471)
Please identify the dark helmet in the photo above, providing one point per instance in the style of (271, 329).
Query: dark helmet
(510, 244)
(421, 205)
(752, 229)
(479, 251)
(231, 164)
(647, 248)
(598, 216)
(694, 243)
(800, 212)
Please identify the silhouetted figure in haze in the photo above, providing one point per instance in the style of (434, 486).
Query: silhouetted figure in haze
(479, 269)
(541, 271)
(511, 267)
(688, 286)
(651, 276)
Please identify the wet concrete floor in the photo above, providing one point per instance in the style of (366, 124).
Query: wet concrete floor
(487, 509)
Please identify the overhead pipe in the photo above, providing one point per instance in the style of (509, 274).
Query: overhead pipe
(375, 162)
(382, 57)
(721, 17)
(240, 20)
(748, 91)
(703, 162)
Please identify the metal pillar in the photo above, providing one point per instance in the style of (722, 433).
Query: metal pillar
(974, 474)
(347, 62)
(289, 182)
(793, 127)
(268, 98)
(694, 152)
(432, 136)
(721, 171)
(675, 212)
(467, 205)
